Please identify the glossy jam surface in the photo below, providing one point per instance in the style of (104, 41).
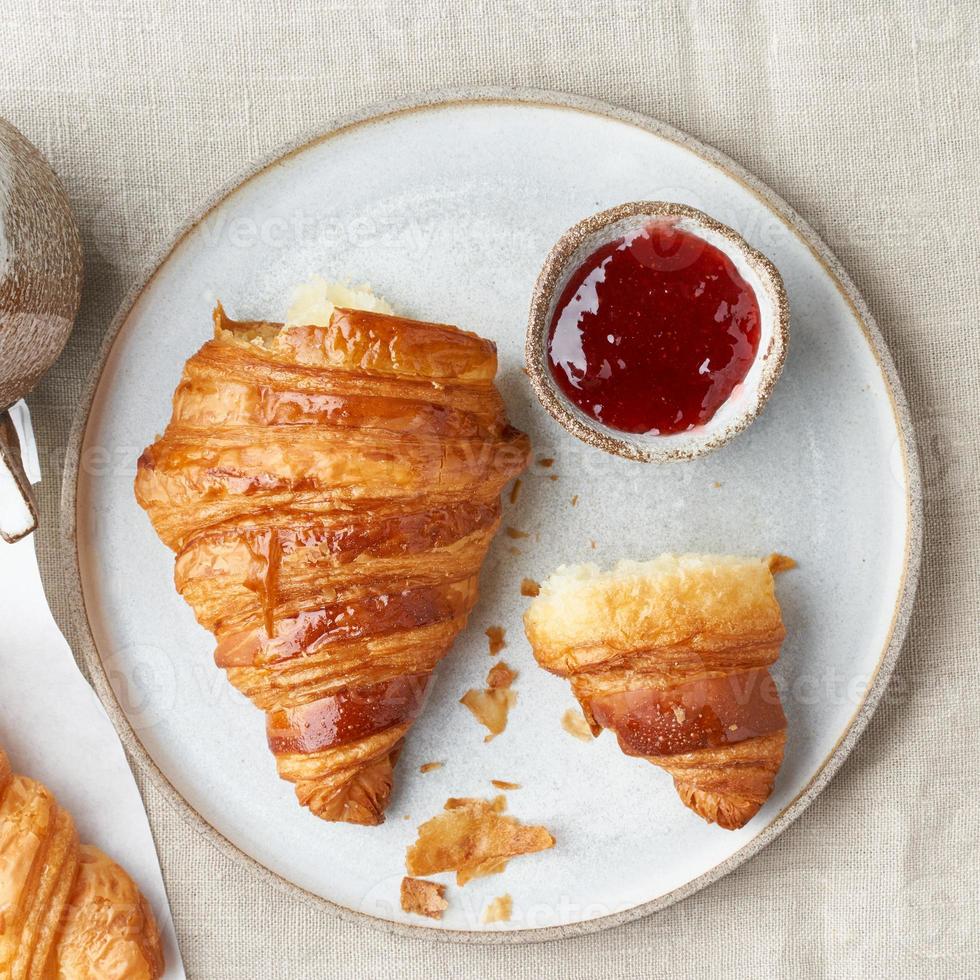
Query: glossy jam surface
(654, 331)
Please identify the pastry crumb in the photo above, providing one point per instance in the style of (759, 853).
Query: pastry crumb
(573, 721)
(504, 784)
(501, 675)
(515, 491)
(473, 838)
(716, 485)
(513, 550)
(431, 766)
(530, 588)
(495, 639)
(593, 544)
(553, 477)
(490, 708)
(575, 500)
(780, 563)
(498, 909)
(422, 897)
(546, 461)
(492, 705)
(515, 534)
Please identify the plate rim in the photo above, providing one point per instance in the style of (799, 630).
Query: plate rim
(80, 629)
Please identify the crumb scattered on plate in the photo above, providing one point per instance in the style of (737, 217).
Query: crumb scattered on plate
(513, 550)
(546, 462)
(514, 533)
(575, 500)
(780, 563)
(491, 705)
(498, 909)
(515, 491)
(573, 721)
(593, 544)
(473, 838)
(503, 784)
(716, 485)
(424, 897)
(530, 587)
(430, 766)
(501, 674)
(495, 639)
(553, 477)
(490, 708)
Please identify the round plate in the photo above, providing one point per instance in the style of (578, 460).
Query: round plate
(447, 208)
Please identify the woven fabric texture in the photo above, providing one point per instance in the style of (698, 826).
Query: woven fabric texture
(865, 119)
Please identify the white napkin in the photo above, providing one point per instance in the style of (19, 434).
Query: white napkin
(54, 729)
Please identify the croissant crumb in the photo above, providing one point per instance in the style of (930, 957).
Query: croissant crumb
(498, 909)
(473, 838)
(501, 675)
(491, 706)
(573, 721)
(495, 639)
(422, 897)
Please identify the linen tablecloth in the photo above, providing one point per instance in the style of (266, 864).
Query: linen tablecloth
(864, 117)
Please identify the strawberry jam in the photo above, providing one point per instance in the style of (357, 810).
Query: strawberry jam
(654, 331)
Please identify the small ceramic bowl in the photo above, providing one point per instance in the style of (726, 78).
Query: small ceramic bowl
(748, 398)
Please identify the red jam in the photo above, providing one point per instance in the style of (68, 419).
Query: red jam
(654, 331)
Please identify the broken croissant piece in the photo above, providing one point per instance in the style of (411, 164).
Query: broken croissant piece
(422, 897)
(330, 492)
(473, 838)
(66, 911)
(672, 655)
(491, 705)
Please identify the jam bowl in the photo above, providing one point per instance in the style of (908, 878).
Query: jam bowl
(655, 332)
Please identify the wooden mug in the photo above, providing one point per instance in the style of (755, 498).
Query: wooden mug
(40, 288)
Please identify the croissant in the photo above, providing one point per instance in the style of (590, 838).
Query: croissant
(66, 912)
(330, 493)
(672, 655)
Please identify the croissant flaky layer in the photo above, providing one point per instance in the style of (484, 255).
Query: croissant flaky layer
(330, 493)
(67, 912)
(672, 655)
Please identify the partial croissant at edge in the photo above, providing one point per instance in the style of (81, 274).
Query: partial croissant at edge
(66, 910)
(330, 493)
(673, 656)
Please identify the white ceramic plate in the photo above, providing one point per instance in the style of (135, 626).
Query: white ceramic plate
(447, 209)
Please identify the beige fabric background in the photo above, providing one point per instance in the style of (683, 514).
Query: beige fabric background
(866, 122)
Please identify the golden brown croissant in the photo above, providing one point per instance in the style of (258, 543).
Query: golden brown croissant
(673, 656)
(66, 912)
(330, 493)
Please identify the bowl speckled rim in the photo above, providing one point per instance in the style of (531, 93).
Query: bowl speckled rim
(586, 234)
(80, 630)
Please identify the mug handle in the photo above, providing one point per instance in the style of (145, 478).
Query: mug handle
(18, 508)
